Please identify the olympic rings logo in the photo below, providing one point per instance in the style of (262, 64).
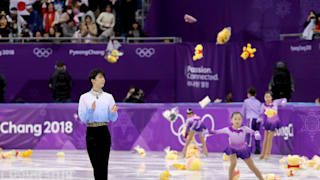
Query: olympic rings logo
(42, 52)
(184, 123)
(145, 52)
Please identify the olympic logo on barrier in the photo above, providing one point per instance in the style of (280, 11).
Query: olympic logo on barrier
(42, 52)
(145, 52)
(173, 115)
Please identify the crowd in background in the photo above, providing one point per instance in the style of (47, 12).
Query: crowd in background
(72, 18)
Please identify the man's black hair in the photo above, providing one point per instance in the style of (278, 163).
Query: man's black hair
(94, 73)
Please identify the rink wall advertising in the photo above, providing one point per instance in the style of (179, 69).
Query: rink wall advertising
(166, 73)
(57, 126)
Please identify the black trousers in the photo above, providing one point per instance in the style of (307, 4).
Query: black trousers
(98, 141)
(254, 125)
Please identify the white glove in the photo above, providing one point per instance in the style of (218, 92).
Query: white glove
(257, 135)
(259, 120)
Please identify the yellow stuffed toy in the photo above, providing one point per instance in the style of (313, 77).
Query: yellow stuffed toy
(198, 52)
(114, 56)
(272, 177)
(112, 59)
(294, 164)
(224, 36)
(193, 151)
(225, 157)
(315, 161)
(7, 155)
(60, 154)
(270, 112)
(194, 164)
(316, 158)
(248, 51)
(311, 163)
(26, 154)
(112, 52)
(13, 153)
(180, 166)
(140, 151)
(171, 155)
(165, 175)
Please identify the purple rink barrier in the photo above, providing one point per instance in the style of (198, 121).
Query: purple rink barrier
(166, 72)
(57, 126)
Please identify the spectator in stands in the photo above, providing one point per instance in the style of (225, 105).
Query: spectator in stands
(134, 95)
(88, 29)
(281, 84)
(50, 18)
(38, 35)
(135, 31)
(46, 35)
(69, 29)
(17, 23)
(3, 86)
(61, 83)
(84, 12)
(26, 32)
(309, 25)
(106, 20)
(4, 26)
(53, 34)
(66, 15)
(317, 101)
(34, 20)
(312, 15)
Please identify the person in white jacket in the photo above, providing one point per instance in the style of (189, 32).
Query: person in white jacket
(106, 21)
